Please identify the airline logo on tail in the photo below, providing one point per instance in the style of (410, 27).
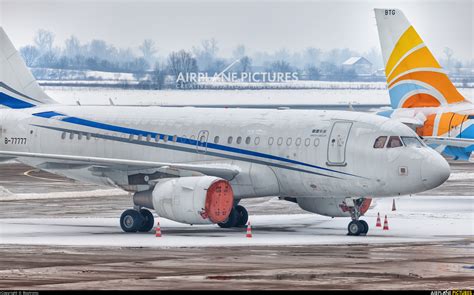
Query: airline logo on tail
(414, 77)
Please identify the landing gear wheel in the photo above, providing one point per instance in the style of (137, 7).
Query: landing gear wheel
(148, 221)
(243, 216)
(355, 228)
(366, 227)
(231, 220)
(131, 220)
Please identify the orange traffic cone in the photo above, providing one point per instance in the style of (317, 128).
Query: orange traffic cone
(249, 230)
(385, 223)
(158, 229)
(379, 223)
(393, 206)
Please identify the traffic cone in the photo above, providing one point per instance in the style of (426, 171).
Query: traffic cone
(393, 206)
(385, 223)
(158, 229)
(379, 223)
(249, 230)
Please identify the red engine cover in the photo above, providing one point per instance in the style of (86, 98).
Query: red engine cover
(219, 201)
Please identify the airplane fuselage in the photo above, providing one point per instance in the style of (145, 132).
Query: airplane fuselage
(279, 152)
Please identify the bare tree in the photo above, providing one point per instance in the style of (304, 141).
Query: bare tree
(181, 63)
(44, 40)
(30, 54)
(72, 47)
(245, 64)
(239, 51)
(449, 54)
(148, 49)
(206, 55)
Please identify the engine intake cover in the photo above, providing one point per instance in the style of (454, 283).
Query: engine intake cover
(194, 200)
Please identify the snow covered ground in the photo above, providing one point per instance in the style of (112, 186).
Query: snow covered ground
(418, 219)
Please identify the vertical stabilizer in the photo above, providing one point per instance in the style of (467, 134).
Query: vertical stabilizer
(18, 87)
(414, 76)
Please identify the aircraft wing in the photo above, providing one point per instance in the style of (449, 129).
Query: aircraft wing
(450, 141)
(224, 171)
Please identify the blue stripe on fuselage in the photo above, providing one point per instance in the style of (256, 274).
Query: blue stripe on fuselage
(131, 131)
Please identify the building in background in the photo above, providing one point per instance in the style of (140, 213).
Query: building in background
(359, 64)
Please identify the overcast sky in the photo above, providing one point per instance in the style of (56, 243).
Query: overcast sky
(261, 25)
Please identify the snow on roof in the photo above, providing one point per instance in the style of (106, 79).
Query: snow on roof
(356, 59)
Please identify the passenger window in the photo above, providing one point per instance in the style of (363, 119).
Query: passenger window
(247, 140)
(175, 138)
(280, 140)
(79, 136)
(229, 140)
(257, 140)
(239, 140)
(298, 141)
(157, 138)
(63, 135)
(289, 140)
(71, 136)
(165, 138)
(307, 142)
(270, 140)
(88, 136)
(380, 142)
(216, 139)
(394, 141)
(148, 137)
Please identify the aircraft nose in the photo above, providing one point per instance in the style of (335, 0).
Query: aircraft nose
(434, 170)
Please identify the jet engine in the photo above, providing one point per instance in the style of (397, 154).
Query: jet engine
(192, 200)
(333, 207)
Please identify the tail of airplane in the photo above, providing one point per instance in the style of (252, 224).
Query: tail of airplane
(18, 87)
(414, 77)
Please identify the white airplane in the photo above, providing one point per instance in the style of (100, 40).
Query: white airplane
(194, 165)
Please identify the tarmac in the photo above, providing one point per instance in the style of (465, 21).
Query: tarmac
(406, 257)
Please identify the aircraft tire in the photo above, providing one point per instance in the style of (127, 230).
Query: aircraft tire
(148, 221)
(355, 228)
(131, 220)
(366, 227)
(243, 216)
(231, 220)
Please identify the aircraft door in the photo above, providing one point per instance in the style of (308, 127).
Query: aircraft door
(337, 143)
(201, 143)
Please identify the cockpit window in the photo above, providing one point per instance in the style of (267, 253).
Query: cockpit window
(394, 141)
(380, 142)
(411, 141)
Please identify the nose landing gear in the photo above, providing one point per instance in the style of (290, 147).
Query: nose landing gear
(357, 227)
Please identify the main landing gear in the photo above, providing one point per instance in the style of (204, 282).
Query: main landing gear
(238, 217)
(136, 220)
(356, 227)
